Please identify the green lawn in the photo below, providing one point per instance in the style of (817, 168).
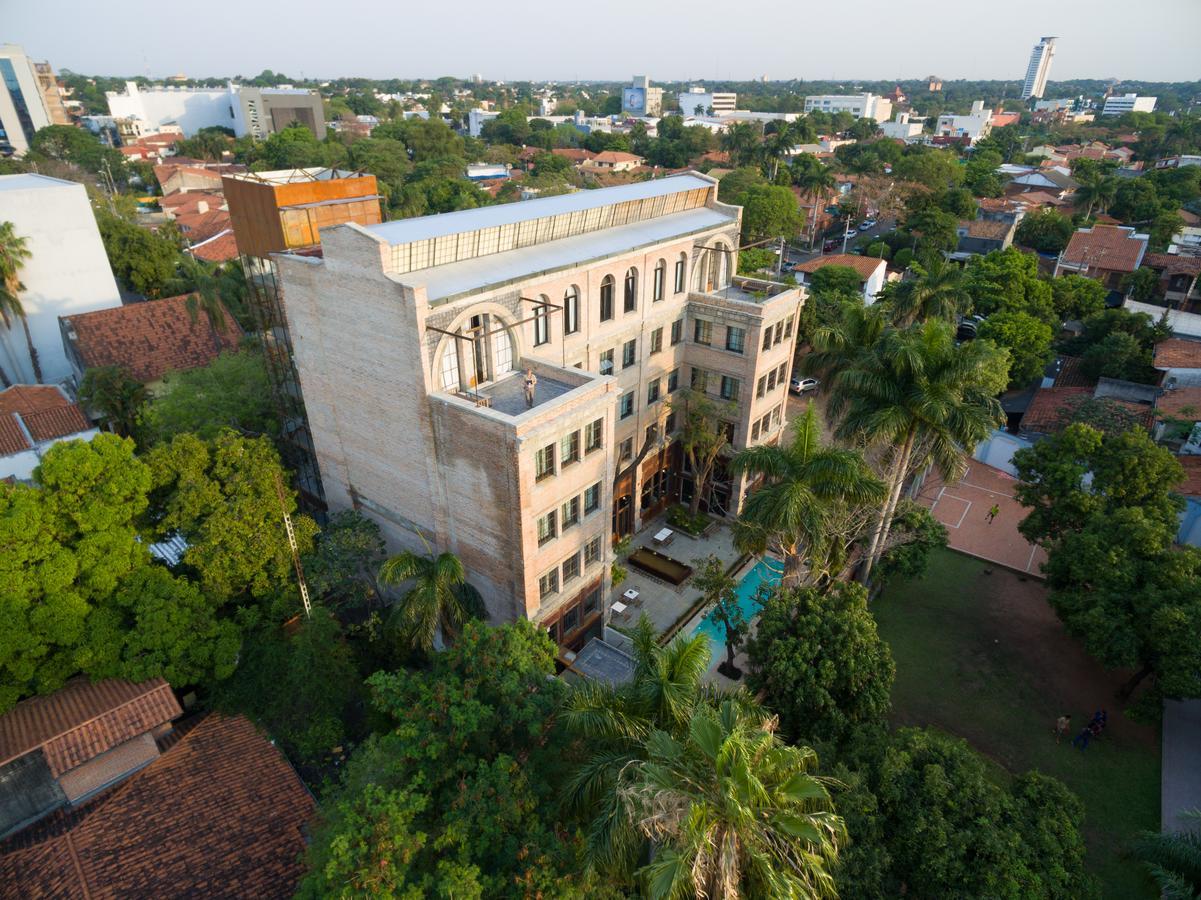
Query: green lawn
(981, 655)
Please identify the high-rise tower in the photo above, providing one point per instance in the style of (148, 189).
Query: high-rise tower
(1039, 68)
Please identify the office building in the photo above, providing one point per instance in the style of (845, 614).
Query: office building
(697, 102)
(1119, 105)
(67, 271)
(861, 106)
(23, 108)
(247, 110)
(413, 340)
(640, 99)
(1039, 68)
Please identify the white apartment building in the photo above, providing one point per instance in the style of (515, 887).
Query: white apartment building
(1127, 103)
(903, 127)
(861, 106)
(247, 110)
(1039, 68)
(973, 126)
(476, 117)
(67, 271)
(413, 338)
(697, 102)
(23, 109)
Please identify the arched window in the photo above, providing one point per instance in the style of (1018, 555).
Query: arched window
(631, 291)
(571, 310)
(701, 270)
(720, 261)
(657, 283)
(450, 366)
(606, 299)
(542, 322)
(681, 268)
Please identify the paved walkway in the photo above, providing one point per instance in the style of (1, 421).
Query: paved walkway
(963, 507)
(1181, 780)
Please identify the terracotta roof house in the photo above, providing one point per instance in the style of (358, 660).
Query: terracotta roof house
(576, 156)
(220, 813)
(220, 248)
(148, 339)
(1179, 278)
(1052, 409)
(613, 161)
(1105, 252)
(189, 175)
(62, 748)
(1182, 403)
(872, 271)
(981, 236)
(34, 417)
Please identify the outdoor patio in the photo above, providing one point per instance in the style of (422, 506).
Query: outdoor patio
(662, 603)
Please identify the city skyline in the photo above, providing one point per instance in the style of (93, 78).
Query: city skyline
(631, 38)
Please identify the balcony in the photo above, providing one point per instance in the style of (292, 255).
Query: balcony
(749, 290)
(506, 395)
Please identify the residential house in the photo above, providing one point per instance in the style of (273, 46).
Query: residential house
(183, 175)
(1175, 162)
(872, 272)
(1106, 252)
(1186, 242)
(147, 339)
(61, 749)
(518, 362)
(904, 127)
(970, 128)
(1054, 180)
(576, 156)
(32, 419)
(1179, 279)
(67, 271)
(207, 808)
(612, 161)
(1180, 361)
(981, 236)
(1053, 408)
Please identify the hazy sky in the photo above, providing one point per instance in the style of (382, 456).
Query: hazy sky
(1152, 40)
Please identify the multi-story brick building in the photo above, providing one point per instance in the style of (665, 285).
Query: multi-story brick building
(413, 339)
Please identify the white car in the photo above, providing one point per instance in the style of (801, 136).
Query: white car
(867, 224)
(803, 385)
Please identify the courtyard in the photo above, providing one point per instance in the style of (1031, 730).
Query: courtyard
(980, 654)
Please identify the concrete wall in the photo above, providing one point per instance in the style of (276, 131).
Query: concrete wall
(190, 108)
(67, 273)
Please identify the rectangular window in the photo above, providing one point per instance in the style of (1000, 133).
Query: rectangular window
(702, 332)
(592, 551)
(571, 619)
(652, 392)
(767, 338)
(657, 287)
(541, 326)
(571, 513)
(699, 380)
(571, 312)
(729, 388)
(677, 331)
(627, 449)
(779, 336)
(669, 424)
(594, 435)
(592, 601)
(755, 431)
(571, 570)
(592, 499)
(606, 362)
(547, 528)
(771, 380)
(544, 462)
(680, 276)
(629, 353)
(569, 449)
(761, 387)
(625, 406)
(775, 417)
(782, 373)
(656, 340)
(788, 327)
(735, 339)
(673, 380)
(548, 584)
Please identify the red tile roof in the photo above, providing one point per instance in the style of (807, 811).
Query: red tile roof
(1191, 486)
(84, 719)
(616, 156)
(150, 339)
(222, 247)
(1051, 410)
(1070, 374)
(866, 266)
(1172, 264)
(1176, 353)
(1107, 247)
(576, 156)
(44, 410)
(1180, 403)
(219, 814)
(986, 229)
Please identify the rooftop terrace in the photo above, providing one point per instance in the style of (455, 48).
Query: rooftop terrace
(508, 394)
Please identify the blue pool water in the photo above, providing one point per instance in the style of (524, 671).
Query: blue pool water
(764, 572)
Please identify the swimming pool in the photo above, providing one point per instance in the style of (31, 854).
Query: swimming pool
(764, 572)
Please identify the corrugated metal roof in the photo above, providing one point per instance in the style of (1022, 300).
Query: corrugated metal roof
(406, 231)
(451, 280)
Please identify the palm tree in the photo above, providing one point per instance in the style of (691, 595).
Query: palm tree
(920, 395)
(776, 146)
(13, 253)
(732, 811)
(937, 292)
(741, 141)
(1095, 189)
(791, 513)
(439, 600)
(206, 298)
(815, 181)
(1174, 860)
(615, 722)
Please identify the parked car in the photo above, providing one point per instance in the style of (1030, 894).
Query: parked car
(867, 224)
(800, 385)
(829, 246)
